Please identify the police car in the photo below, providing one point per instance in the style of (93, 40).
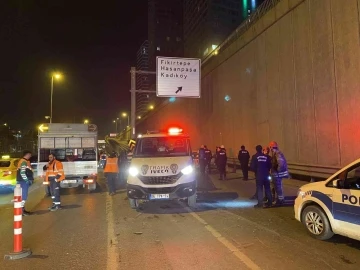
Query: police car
(162, 168)
(332, 206)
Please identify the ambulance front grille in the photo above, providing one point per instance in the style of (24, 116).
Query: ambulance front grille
(160, 180)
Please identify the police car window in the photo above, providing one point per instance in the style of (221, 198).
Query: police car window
(353, 178)
(162, 146)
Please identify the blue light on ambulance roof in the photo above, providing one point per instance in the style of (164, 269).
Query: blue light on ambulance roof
(172, 99)
(227, 98)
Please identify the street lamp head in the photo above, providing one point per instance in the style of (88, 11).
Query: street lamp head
(124, 114)
(5, 124)
(86, 121)
(114, 121)
(47, 117)
(139, 117)
(57, 76)
(151, 107)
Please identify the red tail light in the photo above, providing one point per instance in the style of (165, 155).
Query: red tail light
(7, 173)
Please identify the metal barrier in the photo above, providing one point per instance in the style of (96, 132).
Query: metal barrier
(312, 171)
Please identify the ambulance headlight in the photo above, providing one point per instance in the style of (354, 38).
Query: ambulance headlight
(187, 170)
(133, 171)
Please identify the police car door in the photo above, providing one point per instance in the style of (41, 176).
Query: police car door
(346, 201)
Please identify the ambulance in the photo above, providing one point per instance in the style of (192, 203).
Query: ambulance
(162, 168)
(332, 206)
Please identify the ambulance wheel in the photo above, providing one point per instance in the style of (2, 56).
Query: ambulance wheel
(192, 201)
(134, 204)
(316, 223)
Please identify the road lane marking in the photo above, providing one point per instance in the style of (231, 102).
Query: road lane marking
(111, 238)
(241, 256)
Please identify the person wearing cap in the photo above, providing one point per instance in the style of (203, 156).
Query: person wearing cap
(24, 178)
(222, 160)
(279, 170)
(111, 171)
(261, 165)
(244, 158)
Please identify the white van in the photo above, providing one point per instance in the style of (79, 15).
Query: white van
(332, 206)
(162, 168)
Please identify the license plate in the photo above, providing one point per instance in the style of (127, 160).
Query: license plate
(69, 181)
(159, 196)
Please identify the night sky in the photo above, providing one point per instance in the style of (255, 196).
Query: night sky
(93, 45)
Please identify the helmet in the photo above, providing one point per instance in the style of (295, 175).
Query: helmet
(273, 144)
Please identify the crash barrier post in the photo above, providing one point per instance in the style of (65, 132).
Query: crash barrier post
(19, 252)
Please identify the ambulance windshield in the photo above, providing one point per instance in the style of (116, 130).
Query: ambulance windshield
(162, 147)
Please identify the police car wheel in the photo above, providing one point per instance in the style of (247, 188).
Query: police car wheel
(134, 204)
(316, 223)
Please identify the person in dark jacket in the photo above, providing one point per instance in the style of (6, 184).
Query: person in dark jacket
(222, 160)
(202, 159)
(261, 165)
(279, 170)
(208, 156)
(217, 157)
(244, 158)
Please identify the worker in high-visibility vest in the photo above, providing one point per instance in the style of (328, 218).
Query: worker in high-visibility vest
(54, 175)
(24, 178)
(111, 171)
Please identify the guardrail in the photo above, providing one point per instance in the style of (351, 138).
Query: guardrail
(311, 171)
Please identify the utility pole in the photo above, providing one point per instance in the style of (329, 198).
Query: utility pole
(133, 102)
(133, 91)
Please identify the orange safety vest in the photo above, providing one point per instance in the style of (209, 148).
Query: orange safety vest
(28, 164)
(111, 165)
(54, 169)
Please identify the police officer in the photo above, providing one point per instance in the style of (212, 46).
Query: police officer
(202, 159)
(261, 165)
(111, 171)
(54, 175)
(222, 160)
(244, 158)
(24, 178)
(279, 170)
(208, 156)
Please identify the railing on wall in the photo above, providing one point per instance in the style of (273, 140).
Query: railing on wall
(307, 170)
(243, 27)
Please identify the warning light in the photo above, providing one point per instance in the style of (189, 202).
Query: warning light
(175, 131)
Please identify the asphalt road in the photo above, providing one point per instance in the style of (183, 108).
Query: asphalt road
(96, 231)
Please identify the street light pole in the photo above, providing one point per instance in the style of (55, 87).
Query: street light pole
(51, 98)
(57, 76)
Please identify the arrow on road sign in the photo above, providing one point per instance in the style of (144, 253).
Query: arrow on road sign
(42, 128)
(179, 90)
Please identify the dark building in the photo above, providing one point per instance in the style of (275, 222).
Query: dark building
(207, 23)
(165, 29)
(142, 80)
